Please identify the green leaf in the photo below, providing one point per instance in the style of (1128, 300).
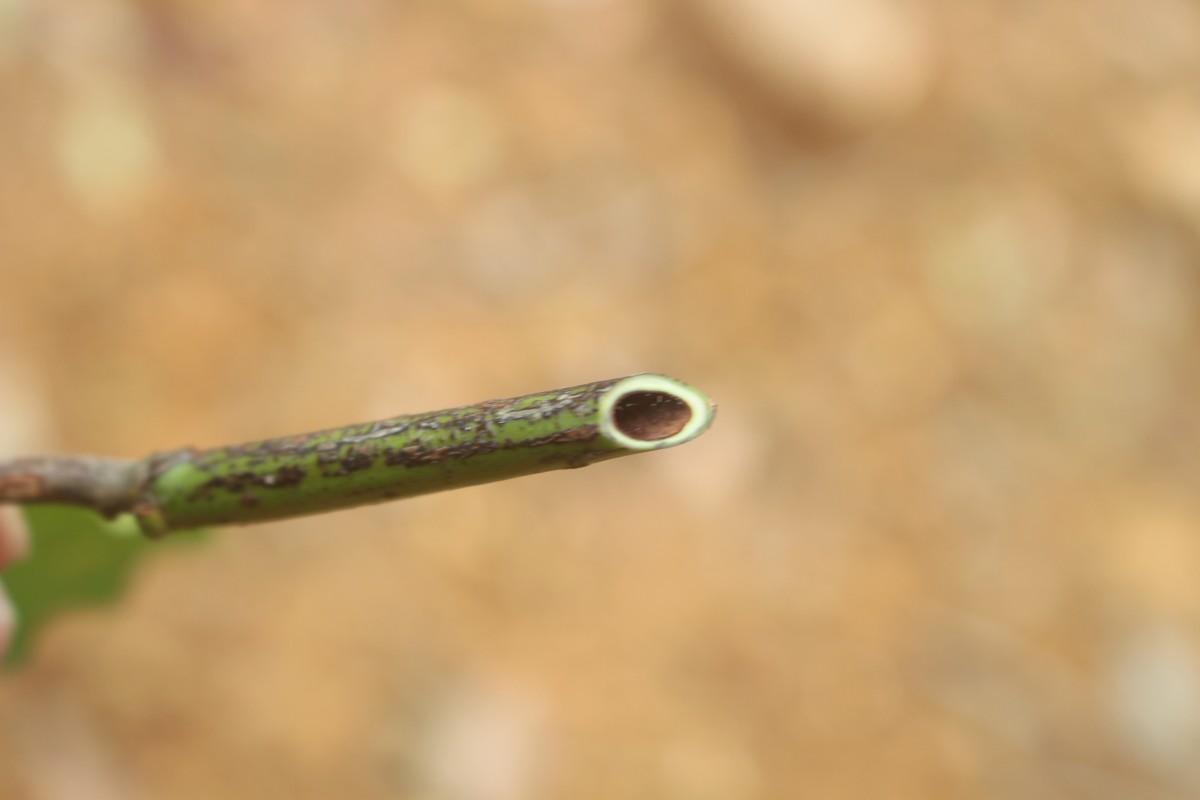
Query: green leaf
(78, 559)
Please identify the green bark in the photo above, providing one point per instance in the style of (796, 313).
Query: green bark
(369, 463)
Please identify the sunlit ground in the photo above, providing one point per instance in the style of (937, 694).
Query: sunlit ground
(936, 261)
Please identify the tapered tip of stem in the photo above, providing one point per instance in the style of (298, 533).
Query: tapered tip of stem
(650, 412)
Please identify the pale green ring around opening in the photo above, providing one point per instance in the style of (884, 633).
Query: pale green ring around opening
(701, 408)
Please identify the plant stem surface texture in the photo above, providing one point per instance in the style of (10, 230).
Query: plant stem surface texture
(373, 462)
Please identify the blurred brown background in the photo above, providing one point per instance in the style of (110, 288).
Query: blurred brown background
(938, 262)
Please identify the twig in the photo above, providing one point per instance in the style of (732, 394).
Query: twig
(372, 462)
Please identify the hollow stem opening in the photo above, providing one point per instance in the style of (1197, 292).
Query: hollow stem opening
(649, 416)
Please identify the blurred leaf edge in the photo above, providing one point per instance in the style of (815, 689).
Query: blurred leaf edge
(78, 560)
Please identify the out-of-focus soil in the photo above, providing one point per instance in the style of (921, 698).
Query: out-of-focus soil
(938, 262)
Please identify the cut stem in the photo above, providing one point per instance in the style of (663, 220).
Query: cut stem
(373, 462)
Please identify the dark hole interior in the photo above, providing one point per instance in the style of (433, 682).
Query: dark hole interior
(649, 416)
